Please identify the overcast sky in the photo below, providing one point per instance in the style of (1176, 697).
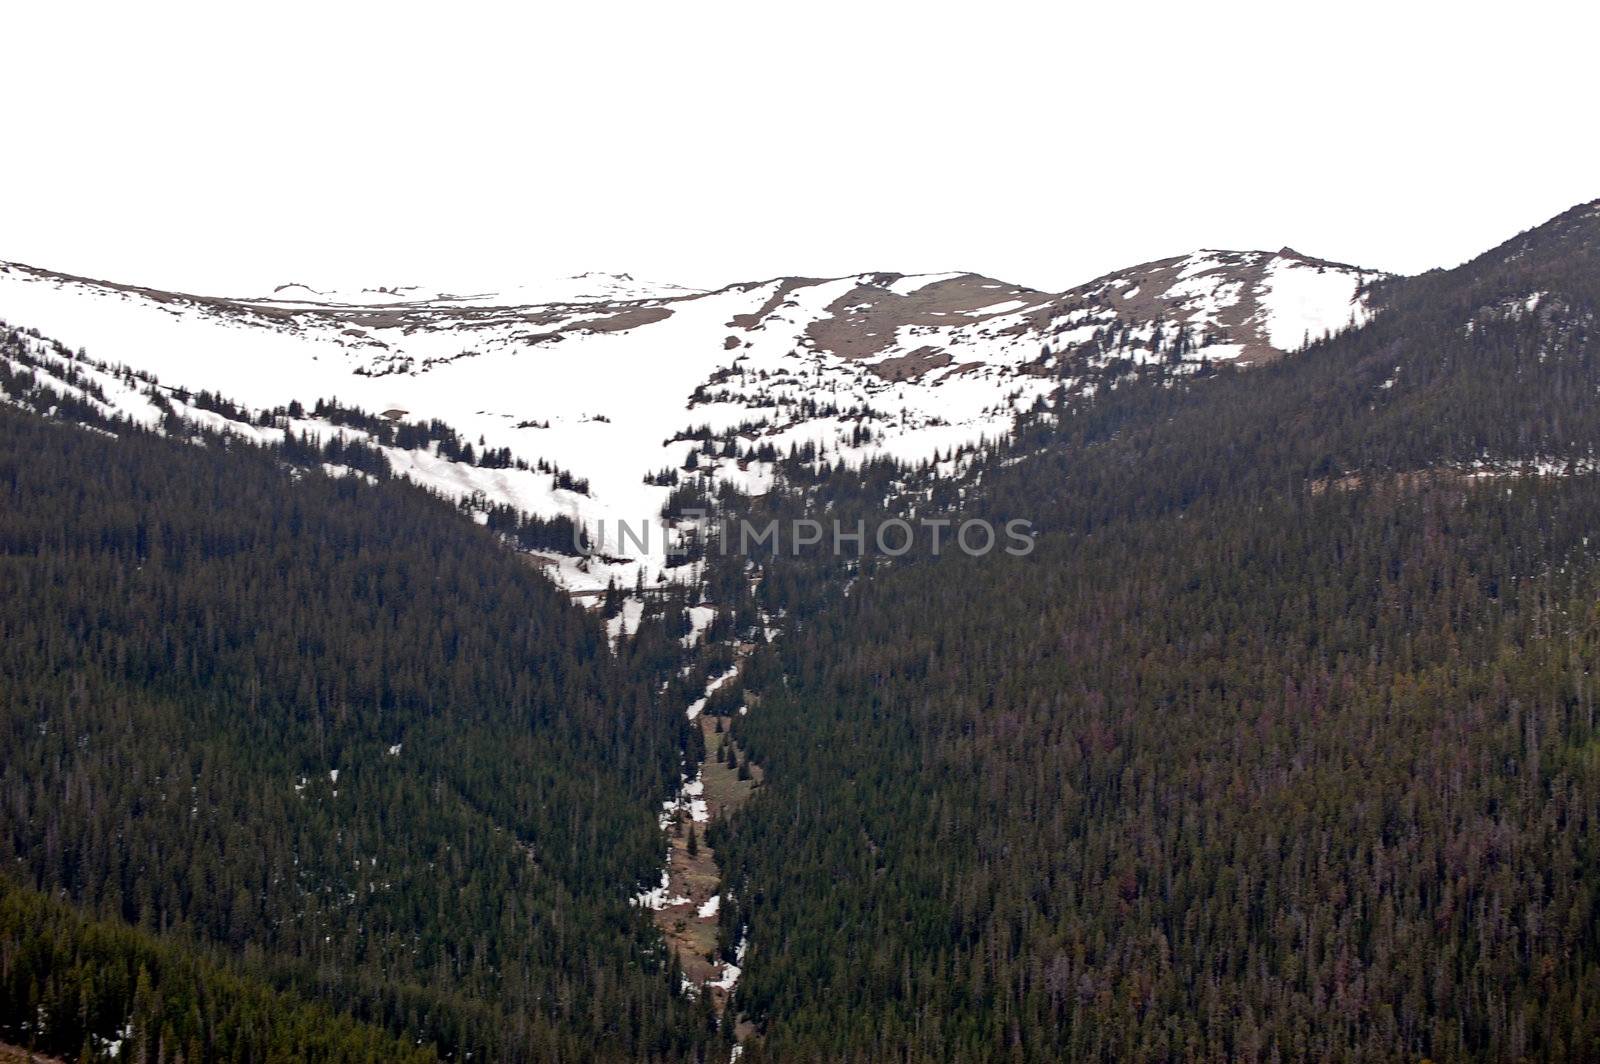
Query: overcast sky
(226, 148)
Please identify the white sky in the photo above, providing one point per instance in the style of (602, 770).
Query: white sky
(228, 148)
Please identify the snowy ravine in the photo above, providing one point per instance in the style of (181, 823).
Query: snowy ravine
(618, 380)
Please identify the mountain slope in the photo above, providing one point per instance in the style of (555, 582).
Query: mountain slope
(96, 990)
(1281, 744)
(616, 382)
(331, 728)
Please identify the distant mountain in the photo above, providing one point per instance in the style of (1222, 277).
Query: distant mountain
(617, 380)
(578, 288)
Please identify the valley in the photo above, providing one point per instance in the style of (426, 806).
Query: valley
(317, 708)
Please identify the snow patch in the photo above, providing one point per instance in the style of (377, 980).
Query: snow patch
(1301, 302)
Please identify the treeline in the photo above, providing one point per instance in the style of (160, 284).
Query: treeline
(436, 435)
(61, 385)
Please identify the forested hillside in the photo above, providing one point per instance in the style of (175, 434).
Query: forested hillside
(334, 733)
(1282, 744)
(99, 990)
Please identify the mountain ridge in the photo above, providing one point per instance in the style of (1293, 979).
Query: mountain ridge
(628, 392)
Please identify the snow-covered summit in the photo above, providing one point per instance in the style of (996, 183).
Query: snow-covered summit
(617, 380)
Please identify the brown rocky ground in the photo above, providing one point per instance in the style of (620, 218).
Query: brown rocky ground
(697, 876)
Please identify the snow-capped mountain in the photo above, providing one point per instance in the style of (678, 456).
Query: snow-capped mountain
(616, 380)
